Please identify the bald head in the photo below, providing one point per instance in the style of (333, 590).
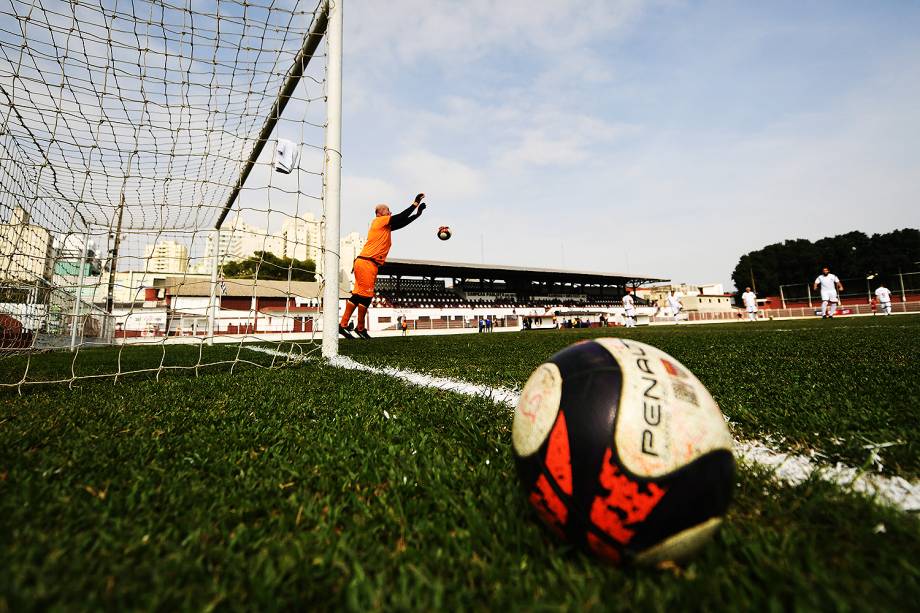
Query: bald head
(382, 210)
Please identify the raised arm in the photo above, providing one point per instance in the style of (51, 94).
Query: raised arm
(403, 219)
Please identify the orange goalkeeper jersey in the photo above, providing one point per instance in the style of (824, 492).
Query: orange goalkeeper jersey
(378, 241)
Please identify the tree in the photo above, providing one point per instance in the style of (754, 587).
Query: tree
(850, 255)
(266, 265)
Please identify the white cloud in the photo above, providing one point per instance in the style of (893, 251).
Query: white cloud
(402, 31)
(538, 148)
(363, 193)
(556, 137)
(438, 175)
(508, 136)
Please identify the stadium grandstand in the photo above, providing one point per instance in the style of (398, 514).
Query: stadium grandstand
(428, 295)
(443, 295)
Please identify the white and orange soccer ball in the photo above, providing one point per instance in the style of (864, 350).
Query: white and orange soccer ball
(622, 451)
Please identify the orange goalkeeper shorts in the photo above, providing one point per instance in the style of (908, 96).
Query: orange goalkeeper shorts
(365, 277)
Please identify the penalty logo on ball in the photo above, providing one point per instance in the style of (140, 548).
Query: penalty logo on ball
(623, 451)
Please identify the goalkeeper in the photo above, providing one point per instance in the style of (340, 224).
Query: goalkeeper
(371, 259)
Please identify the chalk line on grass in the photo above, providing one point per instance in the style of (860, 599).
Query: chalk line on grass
(797, 468)
(756, 328)
(791, 468)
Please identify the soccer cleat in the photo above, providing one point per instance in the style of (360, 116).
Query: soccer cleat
(363, 334)
(344, 332)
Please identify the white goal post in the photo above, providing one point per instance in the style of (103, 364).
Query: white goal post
(333, 192)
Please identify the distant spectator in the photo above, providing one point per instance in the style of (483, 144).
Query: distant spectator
(883, 294)
(488, 323)
(404, 326)
(749, 299)
(830, 285)
(482, 324)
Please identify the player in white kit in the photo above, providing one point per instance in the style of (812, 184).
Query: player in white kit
(676, 306)
(883, 295)
(629, 309)
(829, 285)
(749, 299)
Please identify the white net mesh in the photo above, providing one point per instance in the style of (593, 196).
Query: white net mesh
(126, 128)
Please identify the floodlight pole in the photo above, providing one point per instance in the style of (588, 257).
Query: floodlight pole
(212, 303)
(333, 182)
(113, 264)
(79, 294)
(782, 298)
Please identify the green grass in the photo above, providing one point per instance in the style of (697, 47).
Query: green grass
(23, 372)
(283, 488)
(832, 386)
(290, 488)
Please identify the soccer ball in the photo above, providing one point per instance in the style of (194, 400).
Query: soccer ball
(444, 233)
(623, 452)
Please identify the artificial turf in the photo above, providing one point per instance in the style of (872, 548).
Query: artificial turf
(314, 487)
(24, 371)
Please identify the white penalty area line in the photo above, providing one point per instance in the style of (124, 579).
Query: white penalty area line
(791, 468)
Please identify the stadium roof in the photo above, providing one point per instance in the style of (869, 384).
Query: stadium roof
(459, 270)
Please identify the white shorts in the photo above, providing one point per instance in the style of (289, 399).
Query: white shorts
(751, 309)
(827, 296)
(884, 305)
(630, 312)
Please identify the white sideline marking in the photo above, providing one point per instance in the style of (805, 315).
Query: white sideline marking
(793, 469)
(828, 327)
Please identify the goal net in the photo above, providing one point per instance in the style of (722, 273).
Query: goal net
(164, 183)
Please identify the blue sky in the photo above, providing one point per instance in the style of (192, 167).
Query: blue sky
(662, 138)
